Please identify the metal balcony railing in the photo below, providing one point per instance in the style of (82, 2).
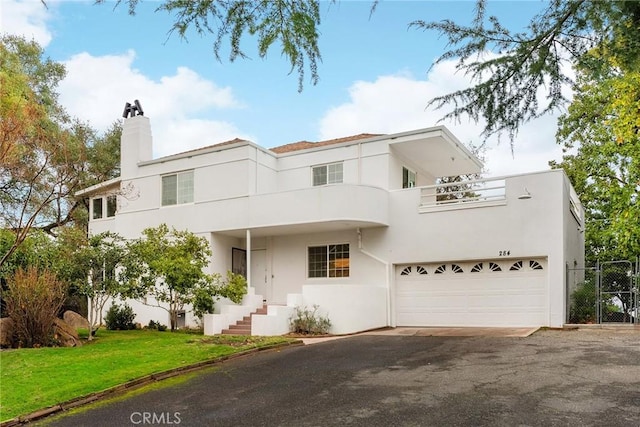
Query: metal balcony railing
(463, 194)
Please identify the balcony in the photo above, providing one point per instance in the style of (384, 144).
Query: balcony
(462, 195)
(315, 209)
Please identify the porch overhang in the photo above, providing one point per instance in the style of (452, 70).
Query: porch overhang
(101, 188)
(436, 150)
(303, 228)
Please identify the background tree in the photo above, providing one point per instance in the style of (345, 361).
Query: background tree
(601, 131)
(167, 265)
(505, 90)
(517, 75)
(45, 155)
(458, 187)
(293, 24)
(38, 155)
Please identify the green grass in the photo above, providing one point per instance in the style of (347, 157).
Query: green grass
(32, 379)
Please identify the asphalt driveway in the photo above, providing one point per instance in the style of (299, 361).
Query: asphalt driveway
(567, 378)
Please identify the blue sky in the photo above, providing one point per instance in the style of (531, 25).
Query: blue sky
(374, 76)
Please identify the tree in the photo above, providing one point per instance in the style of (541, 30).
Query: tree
(505, 90)
(168, 266)
(45, 155)
(38, 156)
(601, 134)
(92, 270)
(459, 187)
(292, 23)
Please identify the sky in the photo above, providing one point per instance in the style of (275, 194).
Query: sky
(376, 76)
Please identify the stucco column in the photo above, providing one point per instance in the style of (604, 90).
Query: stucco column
(248, 249)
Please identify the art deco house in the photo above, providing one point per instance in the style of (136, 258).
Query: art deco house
(357, 226)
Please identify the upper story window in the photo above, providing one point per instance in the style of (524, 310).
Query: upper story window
(327, 174)
(177, 188)
(408, 178)
(102, 205)
(329, 261)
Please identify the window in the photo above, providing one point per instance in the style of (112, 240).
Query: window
(408, 178)
(100, 205)
(516, 266)
(441, 269)
(477, 268)
(97, 208)
(111, 205)
(327, 174)
(177, 188)
(329, 261)
(456, 268)
(535, 265)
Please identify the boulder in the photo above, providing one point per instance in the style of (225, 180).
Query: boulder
(66, 335)
(75, 320)
(6, 332)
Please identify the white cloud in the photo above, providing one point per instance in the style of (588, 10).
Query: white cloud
(26, 18)
(397, 103)
(96, 89)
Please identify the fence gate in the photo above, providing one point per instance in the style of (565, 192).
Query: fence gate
(617, 301)
(606, 293)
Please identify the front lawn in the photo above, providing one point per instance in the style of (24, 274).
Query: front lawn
(32, 379)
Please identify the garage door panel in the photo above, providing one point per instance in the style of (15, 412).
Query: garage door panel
(492, 298)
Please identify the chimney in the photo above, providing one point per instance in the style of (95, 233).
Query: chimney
(135, 145)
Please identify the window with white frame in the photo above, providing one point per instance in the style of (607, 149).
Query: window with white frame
(328, 261)
(177, 188)
(327, 174)
(102, 205)
(408, 178)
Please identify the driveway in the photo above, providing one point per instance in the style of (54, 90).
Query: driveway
(580, 377)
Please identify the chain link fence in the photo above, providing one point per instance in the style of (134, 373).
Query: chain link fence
(606, 293)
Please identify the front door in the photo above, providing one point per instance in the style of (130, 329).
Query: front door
(259, 277)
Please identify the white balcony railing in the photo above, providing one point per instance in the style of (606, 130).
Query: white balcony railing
(464, 194)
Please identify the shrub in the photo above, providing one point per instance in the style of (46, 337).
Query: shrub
(307, 321)
(156, 325)
(583, 303)
(120, 318)
(235, 287)
(33, 300)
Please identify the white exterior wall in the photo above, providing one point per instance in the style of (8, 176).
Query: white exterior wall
(525, 228)
(366, 164)
(289, 270)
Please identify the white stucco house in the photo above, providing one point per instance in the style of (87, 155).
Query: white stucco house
(354, 225)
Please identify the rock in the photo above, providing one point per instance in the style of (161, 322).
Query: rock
(66, 335)
(75, 320)
(6, 332)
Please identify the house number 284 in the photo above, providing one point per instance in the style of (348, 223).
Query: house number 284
(504, 253)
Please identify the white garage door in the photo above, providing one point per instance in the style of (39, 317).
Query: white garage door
(482, 293)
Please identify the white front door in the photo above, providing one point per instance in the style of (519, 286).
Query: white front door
(259, 277)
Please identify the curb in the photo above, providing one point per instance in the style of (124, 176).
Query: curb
(139, 382)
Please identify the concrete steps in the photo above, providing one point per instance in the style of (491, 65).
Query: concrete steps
(243, 327)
